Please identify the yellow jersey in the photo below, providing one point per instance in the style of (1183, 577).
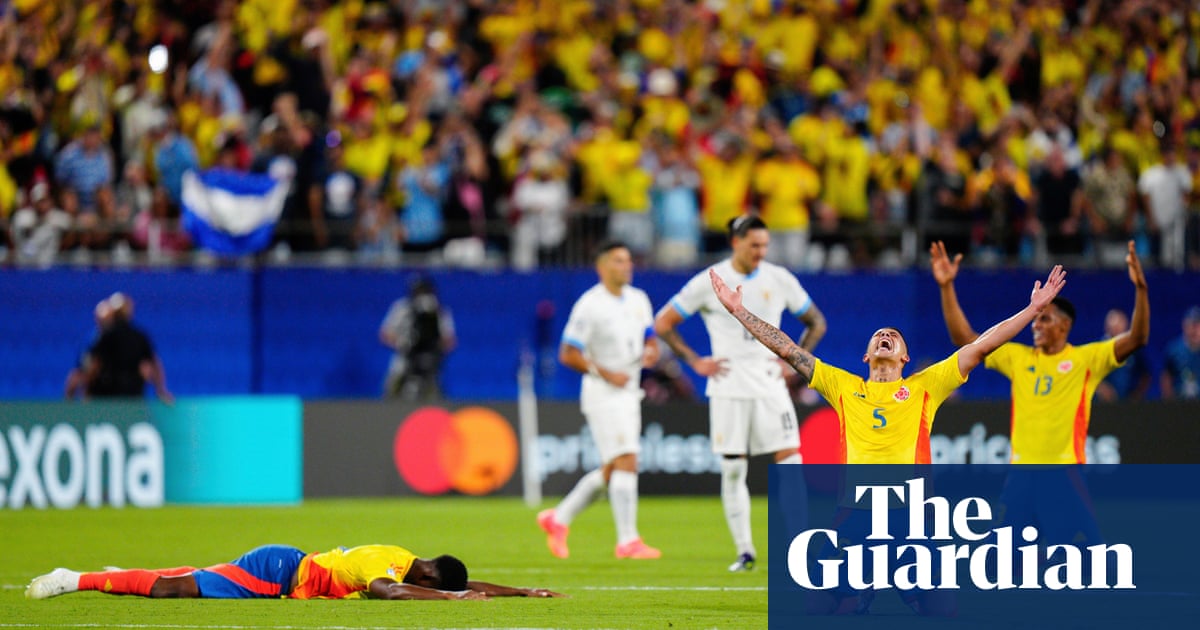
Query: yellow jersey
(887, 423)
(348, 573)
(1052, 398)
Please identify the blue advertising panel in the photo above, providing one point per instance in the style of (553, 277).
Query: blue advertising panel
(953, 546)
(233, 449)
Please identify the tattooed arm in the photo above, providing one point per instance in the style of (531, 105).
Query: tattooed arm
(771, 337)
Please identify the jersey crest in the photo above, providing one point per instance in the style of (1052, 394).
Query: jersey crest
(901, 394)
(1065, 366)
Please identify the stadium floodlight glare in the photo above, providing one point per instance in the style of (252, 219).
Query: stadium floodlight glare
(158, 59)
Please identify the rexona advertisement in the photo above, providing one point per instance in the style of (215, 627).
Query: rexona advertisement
(205, 450)
(51, 456)
(1027, 546)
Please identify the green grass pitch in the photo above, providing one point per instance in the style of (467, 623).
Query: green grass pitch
(497, 538)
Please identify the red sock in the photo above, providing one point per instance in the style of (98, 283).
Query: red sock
(175, 571)
(127, 582)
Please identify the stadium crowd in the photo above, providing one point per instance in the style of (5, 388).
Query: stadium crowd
(470, 132)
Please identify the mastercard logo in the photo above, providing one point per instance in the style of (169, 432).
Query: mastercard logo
(473, 450)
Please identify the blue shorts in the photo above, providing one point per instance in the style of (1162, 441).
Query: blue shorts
(263, 572)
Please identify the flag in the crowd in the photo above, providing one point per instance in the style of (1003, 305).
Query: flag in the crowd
(230, 212)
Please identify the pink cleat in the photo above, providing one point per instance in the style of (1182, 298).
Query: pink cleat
(556, 533)
(638, 550)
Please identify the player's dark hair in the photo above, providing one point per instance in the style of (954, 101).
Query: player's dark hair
(740, 226)
(1064, 305)
(607, 246)
(452, 573)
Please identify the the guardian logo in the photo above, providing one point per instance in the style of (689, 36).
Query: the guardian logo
(945, 549)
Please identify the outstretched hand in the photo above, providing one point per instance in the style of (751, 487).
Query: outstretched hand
(944, 269)
(543, 592)
(1043, 294)
(1136, 275)
(729, 298)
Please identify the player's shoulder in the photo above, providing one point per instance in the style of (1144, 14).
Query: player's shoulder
(592, 294)
(776, 273)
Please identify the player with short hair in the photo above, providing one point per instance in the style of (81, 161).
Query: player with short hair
(367, 571)
(750, 411)
(885, 418)
(1052, 381)
(608, 339)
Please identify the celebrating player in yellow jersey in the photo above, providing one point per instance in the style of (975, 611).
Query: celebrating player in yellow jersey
(1052, 381)
(886, 418)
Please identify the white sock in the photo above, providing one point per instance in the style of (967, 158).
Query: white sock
(794, 458)
(587, 490)
(623, 494)
(735, 496)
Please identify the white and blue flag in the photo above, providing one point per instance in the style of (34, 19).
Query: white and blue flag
(230, 212)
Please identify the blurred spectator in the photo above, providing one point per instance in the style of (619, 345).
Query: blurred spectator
(1166, 186)
(787, 187)
(174, 154)
(420, 331)
(424, 192)
(1181, 371)
(40, 230)
(1132, 380)
(468, 208)
(726, 168)
(1192, 245)
(1110, 193)
(539, 204)
(336, 199)
(157, 231)
(1058, 198)
(123, 360)
(943, 211)
(1001, 196)
(676, 211)
(84, 171)
(628, 193)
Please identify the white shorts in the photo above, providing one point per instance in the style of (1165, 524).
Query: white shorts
(738, 426)
(616, 426)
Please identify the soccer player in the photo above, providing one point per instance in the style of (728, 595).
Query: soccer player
(750, 411)
(608, 339)
(885, 418)
(1052, 380)
(368, 571)
(1053, 383)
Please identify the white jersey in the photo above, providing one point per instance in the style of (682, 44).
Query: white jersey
(767, 292)
(611, 331)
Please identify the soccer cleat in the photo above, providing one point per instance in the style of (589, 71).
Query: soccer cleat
(637, 550)
(556, 533)
(54, 583)
(745, 562)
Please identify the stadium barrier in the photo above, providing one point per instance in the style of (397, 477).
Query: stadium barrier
(223, 450)
(359, 448)
(313, 332)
